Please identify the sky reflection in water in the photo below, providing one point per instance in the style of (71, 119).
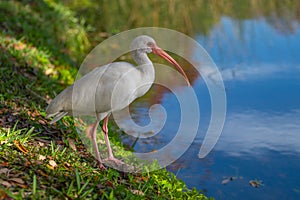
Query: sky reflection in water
(261, 138)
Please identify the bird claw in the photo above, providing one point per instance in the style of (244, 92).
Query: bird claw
(101, 166)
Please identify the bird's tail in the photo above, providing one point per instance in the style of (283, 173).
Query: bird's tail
(57, 116)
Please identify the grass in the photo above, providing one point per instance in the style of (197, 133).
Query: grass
(34, 166)
(40, 43)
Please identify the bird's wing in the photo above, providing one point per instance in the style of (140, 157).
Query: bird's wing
(93, 92)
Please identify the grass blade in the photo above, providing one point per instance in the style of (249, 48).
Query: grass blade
(77, 179)
(34, 185)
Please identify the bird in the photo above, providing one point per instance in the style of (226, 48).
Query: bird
(109, 88)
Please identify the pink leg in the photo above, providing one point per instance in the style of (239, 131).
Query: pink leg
(95, 145)
(105, 131)
(109, 150)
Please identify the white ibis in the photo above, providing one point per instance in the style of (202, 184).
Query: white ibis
(92, 94)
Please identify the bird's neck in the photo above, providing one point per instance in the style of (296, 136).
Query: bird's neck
(145, 65)
(140, 58)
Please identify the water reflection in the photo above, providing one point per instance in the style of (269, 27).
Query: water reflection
(261, 136)
(254, 133)
(190, 17)
(233, 43)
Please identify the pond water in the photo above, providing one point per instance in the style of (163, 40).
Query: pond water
(260, 66)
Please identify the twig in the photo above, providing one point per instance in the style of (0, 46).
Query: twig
(37, 95)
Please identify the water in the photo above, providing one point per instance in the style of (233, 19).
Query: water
(260, 65)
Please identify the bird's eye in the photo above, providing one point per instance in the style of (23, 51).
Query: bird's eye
(150, 44)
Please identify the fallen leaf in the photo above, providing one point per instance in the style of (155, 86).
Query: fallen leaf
(256, 183)
(52, 164)
(72, 144)
(42, 173)
(21, 185)
(49, 71)
(41, 144)
(6, 184)
(42, 121)
(3, 194)
(110, 184)
(19, 46)
(137, 192)
(253, 184)
(3, 141)
(67, 166)
(144, 178)
(20, 146)
(4, 164)
(4, 170)
(41, 157)
(225, 181)
(59, 142)
(27, 163)
(17, 180)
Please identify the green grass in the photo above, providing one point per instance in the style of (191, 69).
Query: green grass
(46, 25)
(27, 157)
(39, 44)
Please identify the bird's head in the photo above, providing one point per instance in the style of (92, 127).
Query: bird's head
(142, 44)
(146, 44)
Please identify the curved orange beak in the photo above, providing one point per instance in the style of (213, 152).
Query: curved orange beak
(158, 51)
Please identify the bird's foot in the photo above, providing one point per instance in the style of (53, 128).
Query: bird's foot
(101, 166)
(114, 160)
